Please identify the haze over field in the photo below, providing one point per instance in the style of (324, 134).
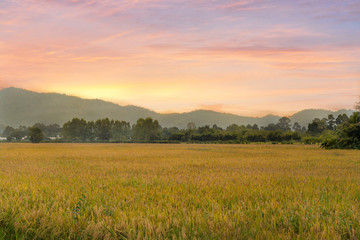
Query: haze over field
(249, 58)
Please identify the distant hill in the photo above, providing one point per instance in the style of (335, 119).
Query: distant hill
(305, 116)
(206, 117)
(22, 107)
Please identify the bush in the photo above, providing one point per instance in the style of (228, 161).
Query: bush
(311, 140)
(329, 143)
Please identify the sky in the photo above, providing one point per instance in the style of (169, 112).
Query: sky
(247, 57)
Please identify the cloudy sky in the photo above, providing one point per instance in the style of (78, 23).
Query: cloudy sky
(248, 57)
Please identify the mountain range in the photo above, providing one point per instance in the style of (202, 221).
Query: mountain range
(22, 107)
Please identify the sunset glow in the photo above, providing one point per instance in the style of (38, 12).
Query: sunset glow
(247, 57)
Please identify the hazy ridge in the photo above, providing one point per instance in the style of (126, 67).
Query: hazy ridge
(22, 107)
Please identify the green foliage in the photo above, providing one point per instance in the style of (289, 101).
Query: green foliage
(121, 130)
(348, 136)
(342, 118)
(149, 130)
(17, 135)
(275, 136)
(330, 143)
(331, 122)
(297, 127)
(146, 130)
(311, 140)
(75, 130)
(8, 131)
(317, 126)
(284, 124)
(35, 135)
(51, 130)
(103, 129)
(255, 136)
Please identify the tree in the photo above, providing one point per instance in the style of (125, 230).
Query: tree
(103, 129)
(171, 134)
(255, 136)
(17, 135)
(191, 126)
(233, 128)
(121, 130)
(146, 130)
(303, 130)
(284, 124)
(90, 131)
(275, 136)
(348, 136)
(52, 130)
(342, 118)
(270, 127)
(351, 130)
(36, 135)
(331, 122)
(296, 136)
(216, 127)
(8, 131)
(41, 126)
(297, 127)
(317, 126)
(75, 130)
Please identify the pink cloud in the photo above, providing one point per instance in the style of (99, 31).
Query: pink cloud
(161, 51)
(243, 5)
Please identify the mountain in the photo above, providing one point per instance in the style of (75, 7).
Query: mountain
(206, 117)
(305, 116)
(22, 107)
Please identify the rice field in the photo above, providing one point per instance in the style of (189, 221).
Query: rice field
(180, 191)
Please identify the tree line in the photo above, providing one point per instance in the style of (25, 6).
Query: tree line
(330, 132)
